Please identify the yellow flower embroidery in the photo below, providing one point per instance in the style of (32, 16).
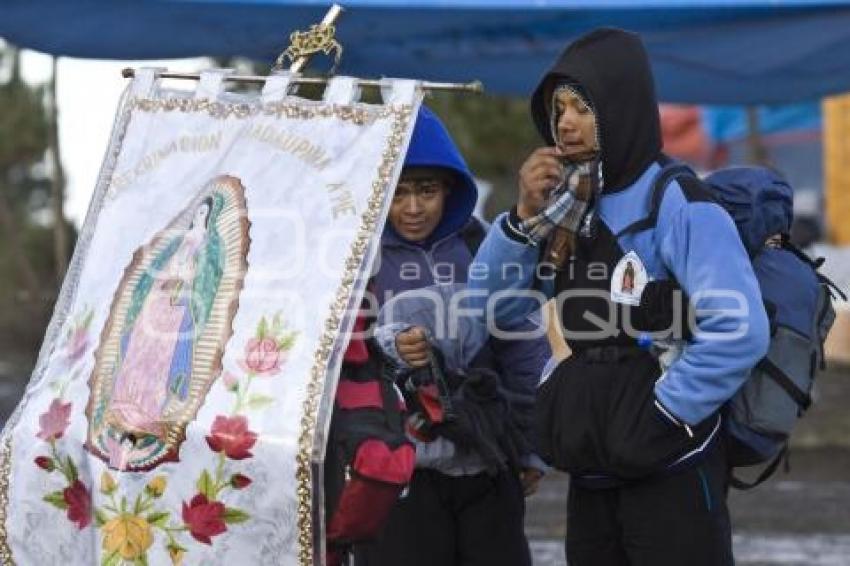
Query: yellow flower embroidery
(176, 553)
(156, 487)
(128, 535)
(107, 483)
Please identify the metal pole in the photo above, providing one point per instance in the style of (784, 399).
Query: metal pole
(475, 87)
(757, 152)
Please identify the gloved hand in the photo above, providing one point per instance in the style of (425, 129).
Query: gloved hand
(482, 421)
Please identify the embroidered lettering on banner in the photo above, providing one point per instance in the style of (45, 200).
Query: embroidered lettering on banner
(151, 161)
(302, 148)
(342, 200)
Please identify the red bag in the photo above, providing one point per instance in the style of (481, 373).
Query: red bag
(369, 459)
(374, 483)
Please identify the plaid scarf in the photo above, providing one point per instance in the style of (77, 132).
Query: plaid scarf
(561, 218)
(565, 207)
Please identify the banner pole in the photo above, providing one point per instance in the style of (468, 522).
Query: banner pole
(302, 47)
(474, 87)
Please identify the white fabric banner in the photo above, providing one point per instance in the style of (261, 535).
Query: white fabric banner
(179, 407)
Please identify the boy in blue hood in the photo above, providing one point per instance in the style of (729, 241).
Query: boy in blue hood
(642, 440)
(455, 512)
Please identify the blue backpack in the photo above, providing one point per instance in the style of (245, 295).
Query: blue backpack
(798, 300)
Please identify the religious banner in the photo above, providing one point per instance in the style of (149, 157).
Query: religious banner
(179, 406)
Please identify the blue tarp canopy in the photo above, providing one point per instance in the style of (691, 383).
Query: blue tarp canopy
(714, 51)
(730, 123)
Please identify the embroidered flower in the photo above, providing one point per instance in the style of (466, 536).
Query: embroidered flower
(231, 382)
(54, 422)
(77, 498)
(156, 487)
(128, 535)
(262, 356)
(45, 463)
(238, 481)
(204, 518)
(231, 436)
(176, 553)
(107, 483)
(77, 344)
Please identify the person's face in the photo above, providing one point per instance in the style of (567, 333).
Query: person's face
(576, 126)
(418, 202)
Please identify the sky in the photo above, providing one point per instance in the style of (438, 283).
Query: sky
(88, 93)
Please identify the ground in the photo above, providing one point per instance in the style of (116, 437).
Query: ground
(799, 518)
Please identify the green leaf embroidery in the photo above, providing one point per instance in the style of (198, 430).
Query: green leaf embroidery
(262, 328)
(259, 401)
(276, 324)
(100, 517)
(87, 320)
(112, 560)
(287, 341)
(158, 519)
(233, 515)
(73, 474)
(141, 560)
(206, 485)
(56, 499)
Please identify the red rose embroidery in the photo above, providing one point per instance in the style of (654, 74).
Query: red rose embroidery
(204, 518)
(231, 436)
(79, 504)
(238, 481)
(45, 463)
(54, 422)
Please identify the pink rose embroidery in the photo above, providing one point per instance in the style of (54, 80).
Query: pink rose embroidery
(54, 422)
(231, 382)
(262, 357)
(76, 346)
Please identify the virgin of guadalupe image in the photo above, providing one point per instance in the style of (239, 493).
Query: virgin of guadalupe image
(628, 278)
(162, 344)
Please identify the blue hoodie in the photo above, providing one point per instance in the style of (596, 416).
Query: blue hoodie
(444, 257)
(694, 240)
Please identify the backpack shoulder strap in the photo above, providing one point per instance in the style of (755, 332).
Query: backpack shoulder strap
(670, 171)
(472, 234)
(803, 399)
(834, 290)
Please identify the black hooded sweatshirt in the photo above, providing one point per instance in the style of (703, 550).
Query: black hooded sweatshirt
(612, 68)
(693, 244)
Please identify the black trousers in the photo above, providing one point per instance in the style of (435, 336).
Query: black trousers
(454, 521)
(675, 520)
